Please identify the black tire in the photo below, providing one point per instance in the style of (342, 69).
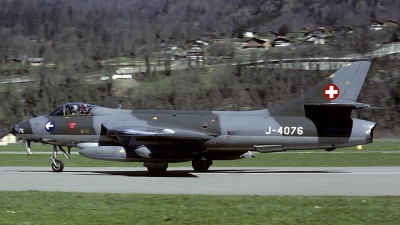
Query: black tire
(201, 165)
(157, 172)
(58, 167)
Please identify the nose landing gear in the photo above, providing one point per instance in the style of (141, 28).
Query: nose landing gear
(58, 165)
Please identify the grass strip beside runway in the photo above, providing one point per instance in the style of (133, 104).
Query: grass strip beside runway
(379, 153)
(261, 160)
(43, 208)
(377, 145)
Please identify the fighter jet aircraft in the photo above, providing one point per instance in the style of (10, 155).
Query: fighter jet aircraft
(317, 119)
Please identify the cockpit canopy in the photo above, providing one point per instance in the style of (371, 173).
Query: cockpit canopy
(73, 108)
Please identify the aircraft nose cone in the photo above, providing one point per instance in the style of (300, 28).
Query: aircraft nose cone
(13, 130)
(22, 128)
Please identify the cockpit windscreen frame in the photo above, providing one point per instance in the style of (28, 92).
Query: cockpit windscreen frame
(73, 108)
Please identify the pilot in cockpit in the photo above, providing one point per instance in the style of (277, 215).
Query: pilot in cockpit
(84, 109)
(74, 110)
(78, 109)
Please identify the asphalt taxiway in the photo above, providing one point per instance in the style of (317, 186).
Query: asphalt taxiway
(333, 181)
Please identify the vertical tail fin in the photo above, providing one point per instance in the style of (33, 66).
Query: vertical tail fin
(340, 89)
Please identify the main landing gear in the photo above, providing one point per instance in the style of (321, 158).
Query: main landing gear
(201, 164)
(58, 165)
(159, 169)
(156, 169)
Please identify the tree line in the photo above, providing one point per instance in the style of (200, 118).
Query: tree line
(75, 35)
(75, 32)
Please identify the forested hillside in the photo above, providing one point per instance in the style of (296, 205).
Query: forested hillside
(71, 30)
(75, 37)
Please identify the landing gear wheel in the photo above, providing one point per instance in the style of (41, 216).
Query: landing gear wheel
(157, 172)
(201, 165)
(58, 166)
(155, 168)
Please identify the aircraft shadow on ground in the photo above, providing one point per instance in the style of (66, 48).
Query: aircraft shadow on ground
(190, 173)
(264, 171)
(179, 173)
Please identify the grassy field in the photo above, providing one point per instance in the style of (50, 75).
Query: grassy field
(32, 207)
(78, 208)
(261, 160)
(379, 153)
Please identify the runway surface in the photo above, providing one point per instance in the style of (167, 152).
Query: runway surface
(338, 181)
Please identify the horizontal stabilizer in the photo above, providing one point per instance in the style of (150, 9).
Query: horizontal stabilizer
(355, 105)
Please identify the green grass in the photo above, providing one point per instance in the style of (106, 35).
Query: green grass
(371, 155)
(33, 207)
(261, 160)
(377, 145)
(78, 208)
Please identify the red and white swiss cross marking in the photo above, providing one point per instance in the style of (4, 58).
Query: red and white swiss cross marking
(331, 92)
